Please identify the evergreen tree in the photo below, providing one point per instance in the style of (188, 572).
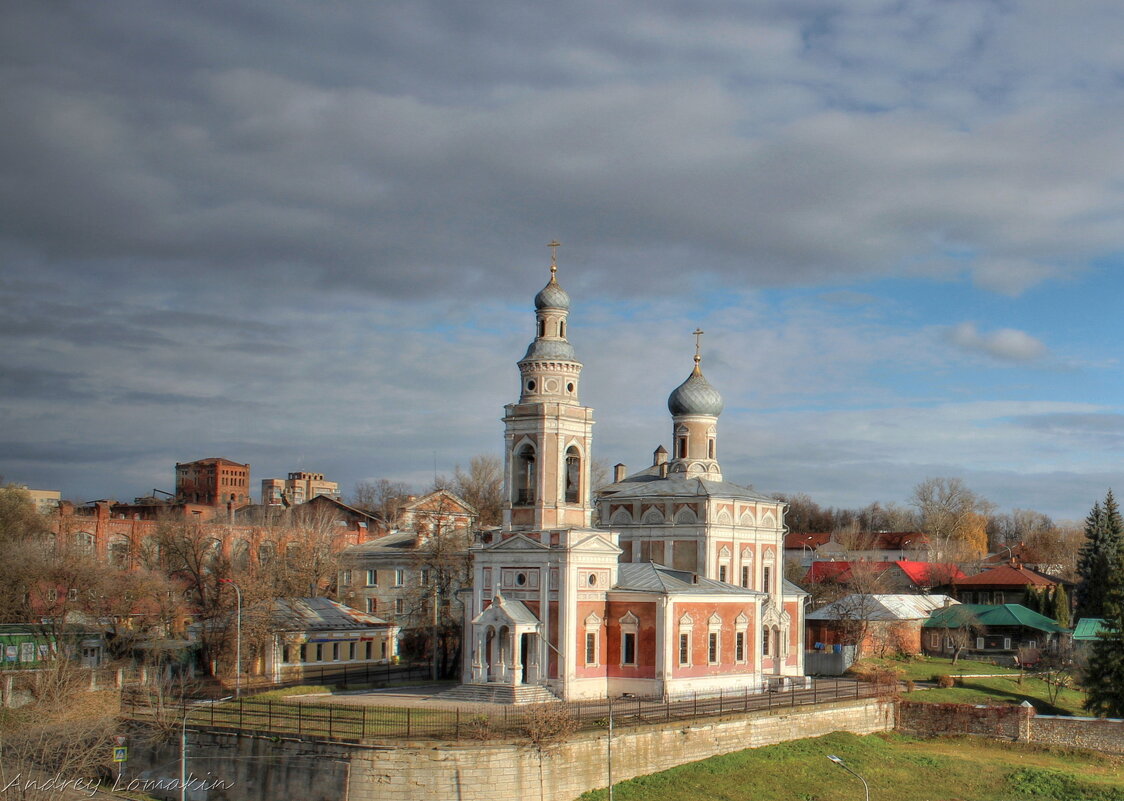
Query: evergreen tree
(1104, 677)
(1096, 562)
(1060, 612)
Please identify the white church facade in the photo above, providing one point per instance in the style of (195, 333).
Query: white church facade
(680, 591)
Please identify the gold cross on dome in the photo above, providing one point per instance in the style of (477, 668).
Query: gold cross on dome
(554, 245)
(698, 332)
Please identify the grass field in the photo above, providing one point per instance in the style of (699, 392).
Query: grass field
(1010, 687)
(897, 768)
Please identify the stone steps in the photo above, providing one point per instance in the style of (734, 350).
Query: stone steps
(499, 694)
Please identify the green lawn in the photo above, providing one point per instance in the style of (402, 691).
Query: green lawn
(1006, 690)
(896, 767)
(924, 668)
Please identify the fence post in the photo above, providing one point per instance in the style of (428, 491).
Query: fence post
(300, 719)
(239, 713)
(457, 729)
(815, 692)
(407, 721)
(330, 708)
(269, 714)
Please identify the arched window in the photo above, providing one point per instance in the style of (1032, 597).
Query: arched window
(710, 448)
(542, 327)
(562, 328)
(573, 474)
(525, 476)
(681, 447)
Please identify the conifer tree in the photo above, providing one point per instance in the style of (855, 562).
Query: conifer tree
(1060, 612)
(1096, 562)
(1104, 677)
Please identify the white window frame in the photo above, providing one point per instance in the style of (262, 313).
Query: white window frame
(714, 640)
(372, 578)
(592, 629)
(1006, 643)
(399, 577)
(979, 643)
(686, 628)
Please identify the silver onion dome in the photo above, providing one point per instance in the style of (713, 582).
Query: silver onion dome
(695, 396)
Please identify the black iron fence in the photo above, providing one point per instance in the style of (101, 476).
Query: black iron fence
(351, 719)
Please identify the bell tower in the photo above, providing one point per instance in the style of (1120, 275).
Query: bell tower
(547, 431)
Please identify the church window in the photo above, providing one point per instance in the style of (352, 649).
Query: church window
(592, 579)
(525, 476)
(710, 448)
(680, 447)
(570, 387)
(628, 648)
(590, 648)
(722, 573)
(520, 579)
(766, 578)
(739, 646)
(542, 327)
(562, 328)
(712, 648)
(573, 475)
(745, 575)
(765, 642)
(684, 648)
(531, 385)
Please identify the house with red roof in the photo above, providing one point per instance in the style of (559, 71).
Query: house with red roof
(1009, 583)
(901, 575)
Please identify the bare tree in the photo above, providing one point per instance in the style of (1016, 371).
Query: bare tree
(66, 730)
(960, 627)
(953, 517)
(382, 497)
(482, 487)
(442, 565)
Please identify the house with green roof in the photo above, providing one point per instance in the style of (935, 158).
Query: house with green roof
(995, 631)
(1087, 632)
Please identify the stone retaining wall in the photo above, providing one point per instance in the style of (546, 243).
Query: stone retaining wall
(485, 773)
(263, 768)
(1094, 733)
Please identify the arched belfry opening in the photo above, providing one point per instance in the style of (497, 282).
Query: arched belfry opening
(573, 474)
(524, 475)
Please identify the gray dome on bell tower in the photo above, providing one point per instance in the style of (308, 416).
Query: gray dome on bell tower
(552, 296)
(550, 368)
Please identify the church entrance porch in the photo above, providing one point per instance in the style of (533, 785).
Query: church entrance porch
(506, 645)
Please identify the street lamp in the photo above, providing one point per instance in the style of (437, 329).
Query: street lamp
(238, 640)
(843, 765)
(183, 748)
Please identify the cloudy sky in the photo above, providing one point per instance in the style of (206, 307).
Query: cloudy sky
(306, 236)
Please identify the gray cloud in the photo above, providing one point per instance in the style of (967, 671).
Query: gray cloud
(306, 236)
(1006, 344)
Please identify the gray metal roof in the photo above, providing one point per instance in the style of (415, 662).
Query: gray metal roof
(320, 614)
(695, 396)
(650, 577)
(390, 544)
(550, 349)
(552, 296)
(882, 607)
(645, 484)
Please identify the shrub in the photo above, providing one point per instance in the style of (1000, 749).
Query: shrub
(944, 682)
(910, 686)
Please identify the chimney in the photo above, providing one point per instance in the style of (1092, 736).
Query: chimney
(619, 471)
(663, 469)
(659, 456)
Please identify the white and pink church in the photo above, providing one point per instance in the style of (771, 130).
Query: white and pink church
(678, 589)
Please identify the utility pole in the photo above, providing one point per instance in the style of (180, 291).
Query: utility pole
(238, 639)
